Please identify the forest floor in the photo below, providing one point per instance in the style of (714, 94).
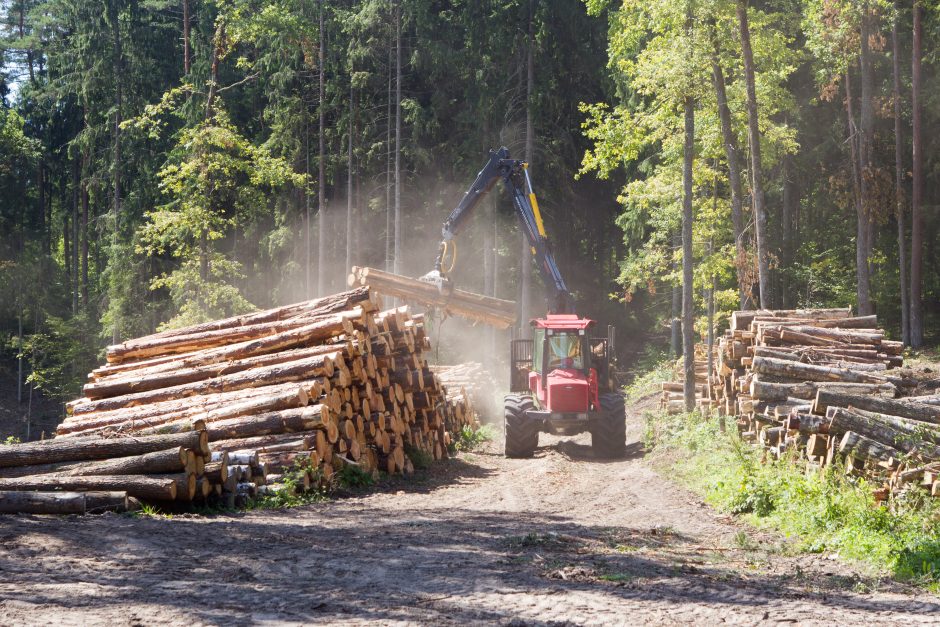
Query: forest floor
(563, 538)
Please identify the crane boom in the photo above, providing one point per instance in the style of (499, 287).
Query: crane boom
(515, 176)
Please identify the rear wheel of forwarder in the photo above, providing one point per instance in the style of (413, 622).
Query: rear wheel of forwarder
(609, 431)
(522, 434)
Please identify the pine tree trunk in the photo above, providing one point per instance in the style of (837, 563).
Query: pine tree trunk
(397, 264)
(866, 130)
(917, 192)
(186, 62)
(525, 253)
(321, 165)
(349, 181)
(688, 339)
(116, 148)
(757, 189)
(899, 181)
(730, 143)
(790, 201)
(675, 325)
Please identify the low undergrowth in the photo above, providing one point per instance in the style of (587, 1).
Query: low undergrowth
(470, 439)
(822, 511)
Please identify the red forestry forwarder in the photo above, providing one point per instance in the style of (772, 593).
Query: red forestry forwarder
(561, 380)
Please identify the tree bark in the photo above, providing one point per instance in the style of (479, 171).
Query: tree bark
(326, 327)
(899, 180)
(809, 372)
(688, 339)
(861, 447)
(207, 407)
(894, 432)
(757, 185)
(285, 421)
(79, 449)
(321, 163)
(398, 227)
(917, 176)
(865, 144)
(730, 143)
(349, 179)
(525, 252)
(768, 391)
(914, 411)
(301, 369)
(168, 460)
(62, 502)
(186, 63)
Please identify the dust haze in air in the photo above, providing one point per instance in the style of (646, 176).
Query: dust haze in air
(490, 238)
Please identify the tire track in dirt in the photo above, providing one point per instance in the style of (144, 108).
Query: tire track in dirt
(563, 538)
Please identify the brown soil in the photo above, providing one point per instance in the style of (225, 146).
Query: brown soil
(558, 539)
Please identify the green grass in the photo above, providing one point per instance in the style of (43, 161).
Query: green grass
(291, 493)
(822, 512)
(649, 382)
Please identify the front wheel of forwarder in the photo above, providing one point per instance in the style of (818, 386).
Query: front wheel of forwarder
(609, 432)
(522, 434)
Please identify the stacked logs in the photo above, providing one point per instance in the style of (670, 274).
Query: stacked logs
(823, 385)
(672, 399)
(102, 474)
(295, 392)
(470, 383)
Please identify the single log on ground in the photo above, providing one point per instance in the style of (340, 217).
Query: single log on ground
(493, 311)
(78, 449)
(168, 460)
(139, 486)
(318, 366)
(915, 411)
(42, 502)
(863, 448)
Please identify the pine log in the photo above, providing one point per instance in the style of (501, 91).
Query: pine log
(318, 366)
(894, 433)
(78, 449)
(318, 306)
(14, 502)
(807, 423)
(300, 441)
(272, 423)
(914, 411)
(809, 372)
(863, 448)
(486, 309)
(158, 347)
(252, 400)
(138, 486)
(142, 381)
(168, 460)
(767, 391)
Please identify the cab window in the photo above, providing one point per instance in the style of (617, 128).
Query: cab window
(565, 352)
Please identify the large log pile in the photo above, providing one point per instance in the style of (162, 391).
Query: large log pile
(823, 385)
(219, 410)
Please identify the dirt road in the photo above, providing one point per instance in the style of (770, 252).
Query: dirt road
(559, 539)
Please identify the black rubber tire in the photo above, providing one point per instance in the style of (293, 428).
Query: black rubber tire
(609, 431)
(522, 434)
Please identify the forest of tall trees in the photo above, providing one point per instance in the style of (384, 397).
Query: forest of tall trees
(164, 162)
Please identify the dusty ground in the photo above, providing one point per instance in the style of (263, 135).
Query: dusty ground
(559, 539)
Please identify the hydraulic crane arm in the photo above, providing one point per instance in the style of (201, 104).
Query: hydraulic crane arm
(515, 177)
